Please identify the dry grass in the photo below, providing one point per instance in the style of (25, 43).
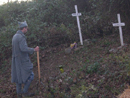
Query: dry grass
(125, 94)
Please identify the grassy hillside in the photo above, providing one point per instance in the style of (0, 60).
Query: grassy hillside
(92, 70)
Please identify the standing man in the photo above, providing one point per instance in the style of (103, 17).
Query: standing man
(22, 68)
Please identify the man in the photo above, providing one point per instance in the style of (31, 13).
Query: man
(22, 68)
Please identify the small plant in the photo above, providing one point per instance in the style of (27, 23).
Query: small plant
(106, 43)
(93, 68)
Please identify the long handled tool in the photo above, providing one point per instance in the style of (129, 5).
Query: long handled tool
(39, 75)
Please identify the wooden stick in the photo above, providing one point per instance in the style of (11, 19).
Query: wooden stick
(38, 66)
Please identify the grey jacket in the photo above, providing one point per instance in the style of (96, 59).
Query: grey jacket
(21, 67)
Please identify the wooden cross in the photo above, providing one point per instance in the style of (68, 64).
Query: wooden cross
(119, 24)
(77, 15)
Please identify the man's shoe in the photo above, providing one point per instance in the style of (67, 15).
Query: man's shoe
(28, 94)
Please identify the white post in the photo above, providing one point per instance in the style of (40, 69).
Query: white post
(119, 24)
(77, 15)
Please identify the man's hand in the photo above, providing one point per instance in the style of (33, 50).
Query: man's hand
(36, 49)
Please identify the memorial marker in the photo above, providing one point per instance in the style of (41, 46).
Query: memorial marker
(77, 16)
(119, 24)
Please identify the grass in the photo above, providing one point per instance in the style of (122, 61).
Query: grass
(91, 71)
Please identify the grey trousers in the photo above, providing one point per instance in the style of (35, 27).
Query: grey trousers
(26, 85)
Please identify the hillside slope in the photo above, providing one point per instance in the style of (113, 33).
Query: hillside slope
(91, 71)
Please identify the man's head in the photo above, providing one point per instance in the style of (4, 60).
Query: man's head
(23, 26)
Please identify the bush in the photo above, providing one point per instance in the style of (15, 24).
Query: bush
(93, 68)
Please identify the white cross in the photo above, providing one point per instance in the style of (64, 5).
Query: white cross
(119, 24)
(77, 15)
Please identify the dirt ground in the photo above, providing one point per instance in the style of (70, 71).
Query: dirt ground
(75, 66)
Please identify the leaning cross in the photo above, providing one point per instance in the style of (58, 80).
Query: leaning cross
(77, 15)
(119, 24)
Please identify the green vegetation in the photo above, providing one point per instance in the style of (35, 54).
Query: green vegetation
(92, 70)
